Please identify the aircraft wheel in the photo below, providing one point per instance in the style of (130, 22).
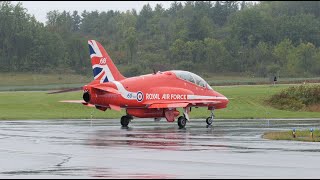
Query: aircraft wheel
(209, 120)
(182, 121)
(125, 120)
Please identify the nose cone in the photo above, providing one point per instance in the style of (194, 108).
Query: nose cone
(222, 97)
(227, 100)
(224, 100)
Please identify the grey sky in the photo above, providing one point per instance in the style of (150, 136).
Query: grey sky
(40, 8)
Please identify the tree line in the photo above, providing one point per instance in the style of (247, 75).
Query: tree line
(261, 39)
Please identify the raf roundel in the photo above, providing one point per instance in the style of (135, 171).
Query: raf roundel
(139, 96)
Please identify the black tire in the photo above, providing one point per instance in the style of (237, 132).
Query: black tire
(209, 121)
(182, 121)
(125, 121)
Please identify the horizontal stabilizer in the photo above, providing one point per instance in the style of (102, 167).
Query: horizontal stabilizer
(78, 102)
(107, 89)
(73, 101)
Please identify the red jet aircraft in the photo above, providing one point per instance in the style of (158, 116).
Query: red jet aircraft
(154, 95)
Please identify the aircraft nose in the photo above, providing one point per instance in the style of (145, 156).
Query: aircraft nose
(226, 99)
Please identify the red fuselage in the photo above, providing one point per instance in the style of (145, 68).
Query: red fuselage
(152, 94)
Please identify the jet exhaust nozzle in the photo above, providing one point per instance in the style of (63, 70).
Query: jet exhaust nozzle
(86, 96)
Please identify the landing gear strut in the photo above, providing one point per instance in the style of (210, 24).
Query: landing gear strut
(210, 119)
(182, 120)
(125, 120)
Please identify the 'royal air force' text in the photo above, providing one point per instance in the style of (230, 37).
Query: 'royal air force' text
(166, 96)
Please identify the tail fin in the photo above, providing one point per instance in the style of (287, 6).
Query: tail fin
(104, 69)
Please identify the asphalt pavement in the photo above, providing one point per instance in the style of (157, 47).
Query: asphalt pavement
(147, 149)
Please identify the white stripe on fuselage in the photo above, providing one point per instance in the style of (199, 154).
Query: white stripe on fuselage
(133, 95)
(124, 93)
(191, 97)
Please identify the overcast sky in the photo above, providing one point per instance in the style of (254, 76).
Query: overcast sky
(40, 8)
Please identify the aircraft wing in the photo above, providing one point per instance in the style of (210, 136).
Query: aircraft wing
(167, 105)
(114, 107)
(177, 104)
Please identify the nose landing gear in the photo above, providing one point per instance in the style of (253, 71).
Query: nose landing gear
(210, 119)
(182, 120)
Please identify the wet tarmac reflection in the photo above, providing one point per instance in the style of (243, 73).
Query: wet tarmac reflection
(148, 149)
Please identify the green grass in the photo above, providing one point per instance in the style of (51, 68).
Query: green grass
(220, 80)
(39, 105)
(21, 79)
(300, 136)
(247, 102)
(30, 81)
(256, 81)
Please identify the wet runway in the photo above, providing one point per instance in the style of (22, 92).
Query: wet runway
(148, 149)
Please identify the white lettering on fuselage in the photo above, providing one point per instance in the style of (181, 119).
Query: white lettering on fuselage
(166, 96)
(152, 96)
(178, 96)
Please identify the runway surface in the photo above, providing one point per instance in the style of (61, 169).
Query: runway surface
(148, 149)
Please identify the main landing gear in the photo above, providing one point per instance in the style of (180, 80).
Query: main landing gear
(210, 119)
(182, 120)
(125, 120)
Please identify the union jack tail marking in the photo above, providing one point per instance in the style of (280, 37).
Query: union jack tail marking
(104, 69)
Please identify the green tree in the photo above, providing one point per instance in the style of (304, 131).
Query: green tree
(177, 51)
(76, 20)
(281, 52)
(131, 41)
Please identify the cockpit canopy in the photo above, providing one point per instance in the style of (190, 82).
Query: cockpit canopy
(191, 77)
